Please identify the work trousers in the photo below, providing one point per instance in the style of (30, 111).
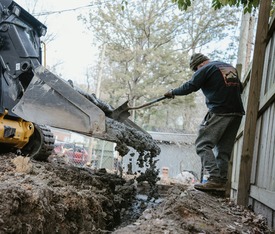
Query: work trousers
(215, 141)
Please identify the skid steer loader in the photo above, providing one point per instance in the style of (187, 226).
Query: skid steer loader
(32, 97)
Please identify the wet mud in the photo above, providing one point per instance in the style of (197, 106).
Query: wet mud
(146, 148)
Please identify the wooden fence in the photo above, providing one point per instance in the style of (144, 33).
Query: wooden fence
(253, 163)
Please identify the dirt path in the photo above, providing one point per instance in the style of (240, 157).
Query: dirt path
(53, 197)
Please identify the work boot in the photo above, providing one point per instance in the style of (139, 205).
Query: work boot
(210, 185)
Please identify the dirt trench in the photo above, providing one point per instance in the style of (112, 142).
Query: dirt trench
(53, 197)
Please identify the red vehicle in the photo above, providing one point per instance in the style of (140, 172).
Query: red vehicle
(76, 153)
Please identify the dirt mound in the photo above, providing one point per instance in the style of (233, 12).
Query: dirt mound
(56, 198)
(53, 197)
(186, 210)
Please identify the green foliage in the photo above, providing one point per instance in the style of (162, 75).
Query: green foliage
(248, 5)
(272, 7)
(183, 4)
(124, 4)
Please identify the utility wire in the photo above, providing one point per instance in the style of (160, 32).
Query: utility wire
(61, 11)
(72, 9)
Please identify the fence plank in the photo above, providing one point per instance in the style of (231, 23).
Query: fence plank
(268, 98)
(256, 151)
(270, 146)
(263, 150)
(266, 197)
(271, 166)
(252, 106)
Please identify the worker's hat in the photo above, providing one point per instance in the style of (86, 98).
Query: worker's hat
(196, 59)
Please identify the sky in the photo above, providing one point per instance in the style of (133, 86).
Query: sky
(72, 47)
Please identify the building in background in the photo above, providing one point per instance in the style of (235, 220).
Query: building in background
(177, 155)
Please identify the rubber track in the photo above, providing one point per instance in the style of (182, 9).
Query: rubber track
(47, 143)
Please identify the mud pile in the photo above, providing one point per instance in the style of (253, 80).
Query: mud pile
(186, 210)
(126, 136)
(53, 197)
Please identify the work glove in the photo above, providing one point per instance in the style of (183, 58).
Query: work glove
(169, 94)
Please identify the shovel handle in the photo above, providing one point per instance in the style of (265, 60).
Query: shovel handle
(148, 103)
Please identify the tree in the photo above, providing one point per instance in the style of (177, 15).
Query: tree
(148, 46)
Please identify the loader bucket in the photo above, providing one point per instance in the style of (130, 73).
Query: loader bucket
(52, 101)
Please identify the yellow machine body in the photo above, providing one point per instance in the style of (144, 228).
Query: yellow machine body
(15, 132)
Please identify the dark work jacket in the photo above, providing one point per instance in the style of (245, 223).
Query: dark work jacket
(221, 86)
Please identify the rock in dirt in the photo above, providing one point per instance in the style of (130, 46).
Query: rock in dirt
(22, 164)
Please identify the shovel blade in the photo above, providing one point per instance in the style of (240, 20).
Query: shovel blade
(121, 113)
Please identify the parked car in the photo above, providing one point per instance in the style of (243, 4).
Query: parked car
(76, 153)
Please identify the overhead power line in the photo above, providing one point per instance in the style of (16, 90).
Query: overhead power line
(72, 9)
(61, 11)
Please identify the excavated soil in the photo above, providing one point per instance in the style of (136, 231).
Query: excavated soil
(53, 197)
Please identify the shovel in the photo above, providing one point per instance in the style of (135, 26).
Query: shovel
(122, 112)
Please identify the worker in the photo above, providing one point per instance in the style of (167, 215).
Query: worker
(222, 89)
